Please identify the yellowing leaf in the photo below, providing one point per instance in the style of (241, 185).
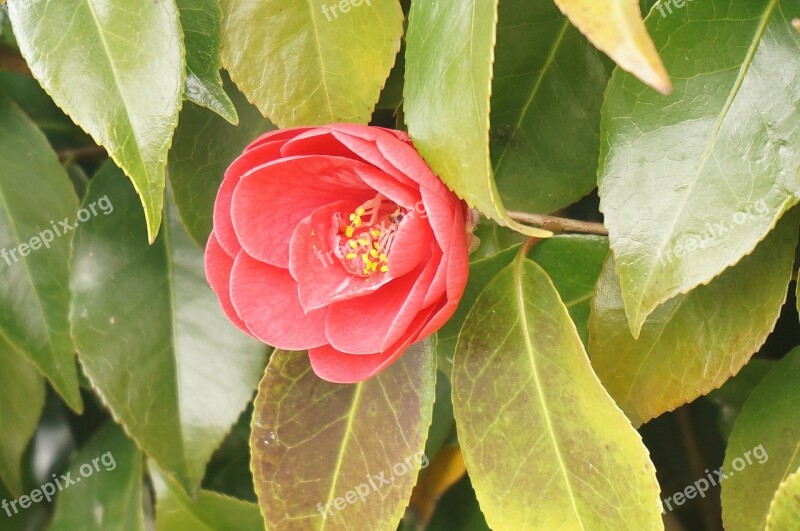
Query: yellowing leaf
(545, 445)
(616, 28)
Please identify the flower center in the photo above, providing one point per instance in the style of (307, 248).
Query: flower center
(365, 236)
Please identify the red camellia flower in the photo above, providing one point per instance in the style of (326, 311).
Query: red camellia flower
(338, 240)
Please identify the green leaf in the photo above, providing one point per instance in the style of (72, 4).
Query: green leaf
(573, 262)
(207, 511)
(694, 342)
(449, 54)
(316, 63)
(784, 511)
(152, 338)
(546, 96)
(204, 146)
(691, 183)
(117, 68)
(731, 397)
(107, 493)
(202, 27)
(458, 509)
(764, 447)
(21, 403)
(34, 101)
(34, 283)
(578, 463)
(322, 451)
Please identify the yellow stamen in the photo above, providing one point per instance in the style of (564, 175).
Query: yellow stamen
(348, 231)
(350, 256)
(384, 269)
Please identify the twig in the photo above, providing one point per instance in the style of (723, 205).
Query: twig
(82, 152)
(555, 224)
(12, 61)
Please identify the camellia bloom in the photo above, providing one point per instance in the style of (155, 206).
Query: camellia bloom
(338, 240)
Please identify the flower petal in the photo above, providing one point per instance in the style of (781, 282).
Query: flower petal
(277, 134)
(373, 322)
(223, 226)
(321, 278)
(265, 297)
(317, 142)
(218, 265)
(272, 199)
(338, 367)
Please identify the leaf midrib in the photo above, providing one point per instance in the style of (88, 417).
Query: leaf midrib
(118, 87)
(523, 320)
(743, 70)
(322, 70)
(348, 430)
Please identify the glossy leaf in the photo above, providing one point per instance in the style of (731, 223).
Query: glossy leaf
(152, 338)
(694, 342)
(207, 511)
(616, 28)
(117, 68)
(318, 62)
(546, 95)
(107, 493)
(578, 463)
(202, 26)
(341, 443)
(784, 511)
(449, 54)
(21, 403)
(691, 183)
(204, 146)
(34, 283)
(763, 449)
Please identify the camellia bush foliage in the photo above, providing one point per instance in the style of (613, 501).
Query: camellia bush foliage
(389, 264)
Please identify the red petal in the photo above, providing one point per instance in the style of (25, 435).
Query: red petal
(411, 244)
(373, 322)
(265, 297)
(338, 367)
(277, 134)
(317, 142)
(272, 199)
(223, 226)
(403, 195)
(218, 265)
(320, 276)
(365, 147)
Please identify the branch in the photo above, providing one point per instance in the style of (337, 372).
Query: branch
(12, 61)
(82, 152)
(556, 225)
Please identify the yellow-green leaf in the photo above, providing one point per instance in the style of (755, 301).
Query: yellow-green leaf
(784, 511)
(616, 28)
(311, 62)
(694, 342)
(545, 446)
